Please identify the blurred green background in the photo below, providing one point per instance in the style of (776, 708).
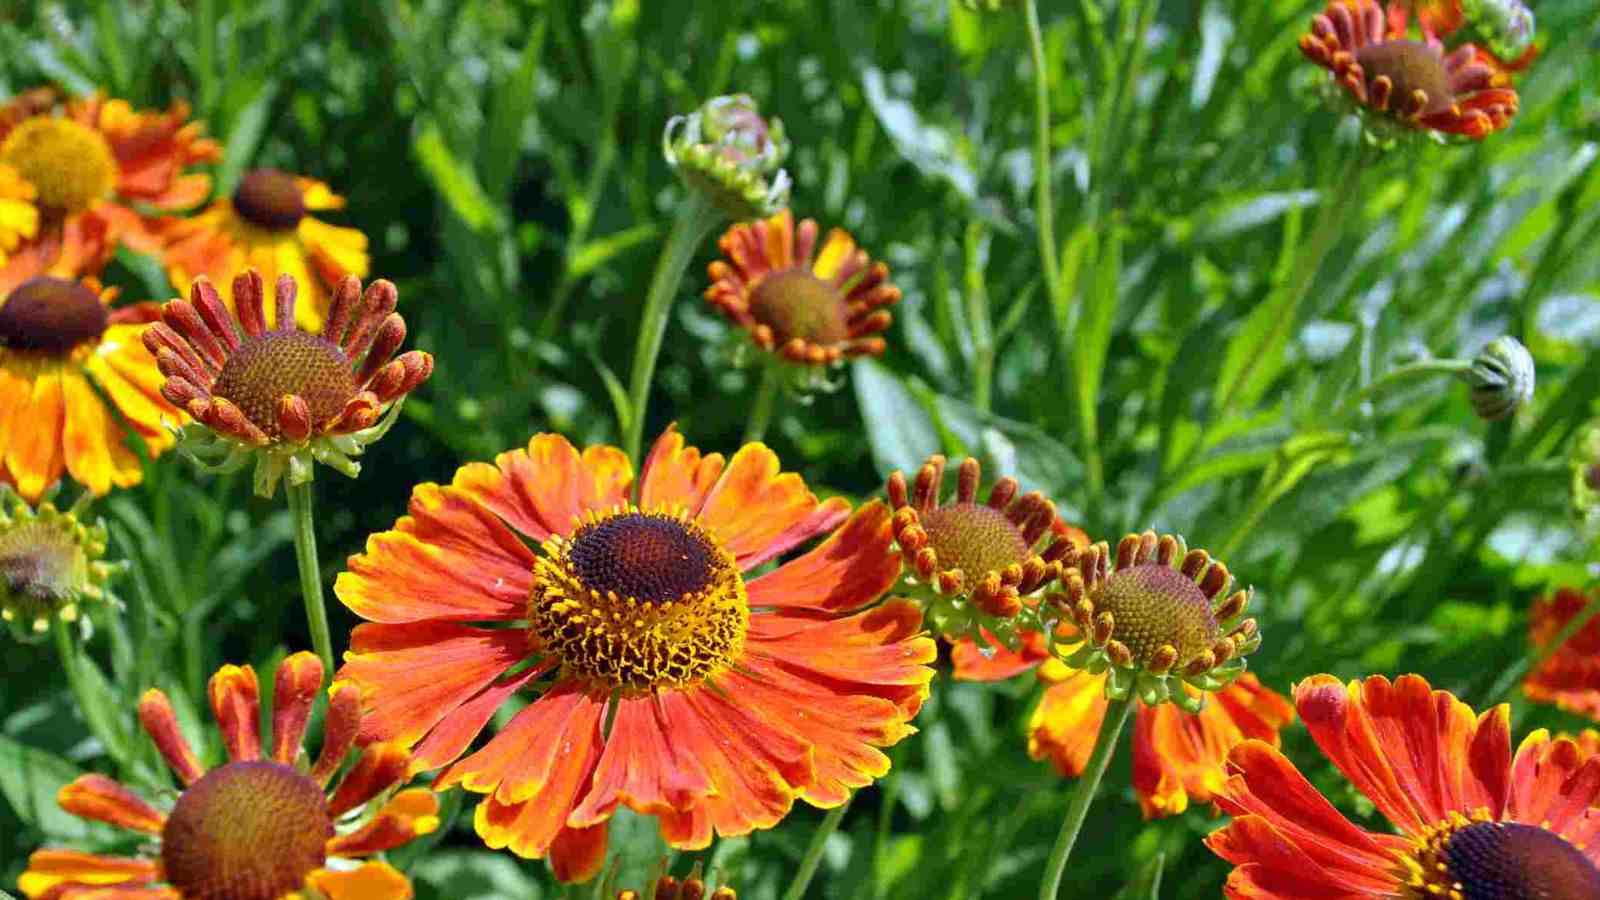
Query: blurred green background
(504, 158)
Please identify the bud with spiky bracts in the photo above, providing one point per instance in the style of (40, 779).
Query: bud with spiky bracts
(51, 563)
(1501, 377)
(728, 153)
(1156, 616)
(1505, 27)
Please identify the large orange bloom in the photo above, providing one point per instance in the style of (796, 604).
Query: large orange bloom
(666, 679)
(19, 217)
(59, 341)
(99, 168)
(266, 225)
(1570, 678)
(1475, 820)
(261, 826)
(1178, 757)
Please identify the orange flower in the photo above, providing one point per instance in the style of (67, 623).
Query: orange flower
(96, 166)
(665, 679)
(1178, 757)
(812, 309)
(1570, 678)
(59, 341)
(261, 826)
(19, 217)
(265, 226)
(1474, 819)
(1371, 54)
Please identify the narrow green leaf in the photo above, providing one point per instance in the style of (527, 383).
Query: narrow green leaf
(899, 428)
(29, 781)
(244, 137)
(510, 108)
(454, 179)
(593, 254)
(1146, 885)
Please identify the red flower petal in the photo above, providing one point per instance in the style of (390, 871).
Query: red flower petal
(1179, 757)
(455, 732)
(852, 568)
(643, 766)
(236, 701)
(677, 474)
(1272, 867)
(996, 662)
(1556, 784)
(881, 652)
(543, 489)
(101, 799)
(296, 685)
(755, 511)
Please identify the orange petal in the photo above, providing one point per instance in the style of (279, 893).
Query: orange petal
(1273, 867)
(33, 453)
(161, 722)
(411, 676)
(296, 685)
(520, 761)
(52, 869)
(1064, 725)
(408, 815)
(850, 569)
(456, 731)
(373, 881)
(88, 434)
(641, 766)
(677, 474)
(381, 766)
(339, 731)
(236, 701)
(1556, 784)
(543, 489)
(1570, 677)
(101, 799)
(757, 512)
(995, 661)
(451, 559)
(578, 854)
(881, 651)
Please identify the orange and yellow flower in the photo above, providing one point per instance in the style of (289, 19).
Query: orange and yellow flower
(810, 307)
(262, 826)
(266, 225)
(59, 342)
(1178, 757)
(1411, 79)
(667, 676)
(19, 217)
(98, 168)
(1570, 677)
(1475, 819)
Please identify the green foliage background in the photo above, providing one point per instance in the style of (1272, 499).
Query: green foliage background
(504, 158)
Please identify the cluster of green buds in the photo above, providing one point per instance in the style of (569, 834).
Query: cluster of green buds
(50, 563)
(1504, 26)
(1501, 377)
(1584, 458)
(726, 152)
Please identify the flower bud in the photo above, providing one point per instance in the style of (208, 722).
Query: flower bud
(1504, 26)
(1501, 378)
(730, 155)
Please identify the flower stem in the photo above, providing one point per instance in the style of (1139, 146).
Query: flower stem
(1043, 197)
(89, 706)
(305, 554)
(813, 857)
(766, 399)
(1405, 373)
(695, 219)
(979, 320)
(1088, 785)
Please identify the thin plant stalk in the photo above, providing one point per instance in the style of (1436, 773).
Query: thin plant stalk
(305, 554)
(813, 857)
(696, 218)
(1088, 785)
(765, 403)
(1535, 660)
(979, 321)
(1043, 195)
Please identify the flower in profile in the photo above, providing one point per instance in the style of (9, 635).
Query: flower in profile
(72, 372)
(1412, 82)
(19, 217)
(729, 155)
(265, 825)
(811, 307)
(1474, 819)
(1158, 618)
(99, 170)
(976, 561)
(1501, 377)
(666, 676)
(284, 397)
(266, 225)
(1570, 676)
(691, 888)
(1178, 757)
(51, 563)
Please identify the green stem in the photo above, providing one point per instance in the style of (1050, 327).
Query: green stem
(1088, 785)
(766, 400)
(695, 219)
(1044, 201)
(1403, 374)
(305, 553)
(979, 321)
(813, 857)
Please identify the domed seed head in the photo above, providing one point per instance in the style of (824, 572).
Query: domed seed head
(1155, 605)
(267, 367)
(270, 199)
(51, 316)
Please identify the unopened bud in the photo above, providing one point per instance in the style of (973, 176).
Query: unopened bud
(1501, 378)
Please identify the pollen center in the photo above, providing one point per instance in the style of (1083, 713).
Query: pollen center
(635, 600)
(270, 199)
(51, 315)
(973, 537)
(1155, 605)
(246, 831)
(69, 164)
(1410, 66)
(797, 304)
(1499, 861)
(267, 367)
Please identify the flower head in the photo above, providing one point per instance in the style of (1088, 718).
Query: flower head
(98, 170)
(19, 217)
(1570, 677)
(283, 396)
(72, 372)
(677, 683)
(1159, 616)
(812, 308)
(1475, 820)
(977, 560)
(267, 226)
(1404, 82)
(726, 152)
(1501, 378)
(263, 826)
(50, 563)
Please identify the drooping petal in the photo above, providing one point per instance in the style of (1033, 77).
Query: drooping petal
(101, 799)
(880, 652)
(996, 662)
(578, 854)
(642, 767)
(853, 567)
(1064, 725)
(456, 731)
(408, 815)
(1273, 867)
(50, 869)
(372, 881)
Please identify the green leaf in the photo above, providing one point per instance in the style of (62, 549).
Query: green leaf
(599, 251)
(1147, 884)
(29, 781)
(898, 427)
(1255, 354)
(475, 875)
(254, 103)
(509, 110)
(455, 180)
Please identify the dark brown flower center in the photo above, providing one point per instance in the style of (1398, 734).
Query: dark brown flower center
(246, 831)
(1510, 861)
(1411, 66)
(647, 557)
(1591, 476)
(973, 537)
(797, 304)
(266, 368)
(1154, 605)
(271, 199)
(51, 315)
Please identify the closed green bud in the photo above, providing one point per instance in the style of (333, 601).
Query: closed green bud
(729, 154)
(1501, 377)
